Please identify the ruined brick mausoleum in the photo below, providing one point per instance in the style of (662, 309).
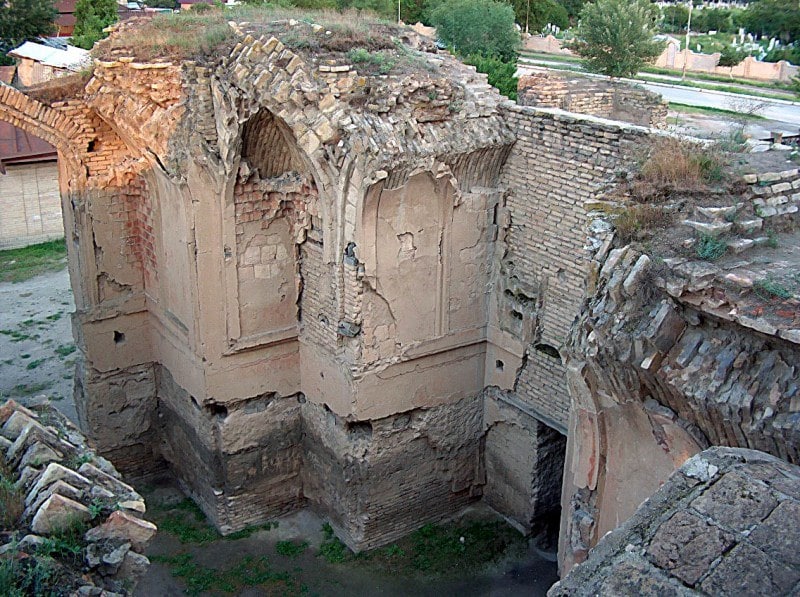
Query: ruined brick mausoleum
(300, 283)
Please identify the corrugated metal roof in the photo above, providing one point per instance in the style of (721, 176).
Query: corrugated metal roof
(19, 147)
(72, 58)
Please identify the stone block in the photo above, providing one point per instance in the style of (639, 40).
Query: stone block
(686, 545)
(57, 513)
(736, 503)
(121, 526)
(748, 571)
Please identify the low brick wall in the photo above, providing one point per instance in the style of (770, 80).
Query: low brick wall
(598, 97)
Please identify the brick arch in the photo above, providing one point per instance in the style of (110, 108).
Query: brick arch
(38, 119)
(274, 78)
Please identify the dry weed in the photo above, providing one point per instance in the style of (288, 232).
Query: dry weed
(636, 220)
(181, 36)
(675, 164)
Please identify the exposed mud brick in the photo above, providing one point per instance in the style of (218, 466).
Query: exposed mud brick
(378, 480)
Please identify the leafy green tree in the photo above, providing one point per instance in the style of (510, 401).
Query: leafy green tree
(482, 27)
(413, 11)
(717, 19)
(615, 37)
(774, 18)
(91, 17)
(21, 20)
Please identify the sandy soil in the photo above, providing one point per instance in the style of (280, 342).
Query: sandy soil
(37, 351)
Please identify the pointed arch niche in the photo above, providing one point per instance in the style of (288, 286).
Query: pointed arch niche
(264, 220)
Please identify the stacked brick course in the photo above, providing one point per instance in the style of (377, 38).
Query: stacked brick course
(594, 96)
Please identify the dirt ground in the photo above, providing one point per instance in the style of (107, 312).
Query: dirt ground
(525, 571)
(37, 352)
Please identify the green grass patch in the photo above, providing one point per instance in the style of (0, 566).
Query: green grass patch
(250, 572)
(32, 388)
(714, 78)
(291, 549)
(687, 109)
(187, 522)
(433, 550)
(34, 364)
(332, 550)
(18, 265)
(29, 576)
(769, 288)
(710, 248)
(247, 531)
(15, 335)
(550, 57)
(724, 88)
(64, 350)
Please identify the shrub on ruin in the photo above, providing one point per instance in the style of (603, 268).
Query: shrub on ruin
(12, 498)
(710, 248)
(501, 74)
(637, 220)
(615, 37)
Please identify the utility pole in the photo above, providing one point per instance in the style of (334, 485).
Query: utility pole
(686, 49)
(398, 12)
(527, 15)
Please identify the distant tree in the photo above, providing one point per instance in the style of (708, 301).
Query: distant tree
(537, 14)
(482, 27)
(674, 18)
(615, 37)
(717, 19)
(413, 11)
(573, 7)
(731, 56)
(22, 20)
(774, 18)
(91, 17)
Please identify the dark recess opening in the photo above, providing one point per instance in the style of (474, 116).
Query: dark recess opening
(119, 337)
(549, 350)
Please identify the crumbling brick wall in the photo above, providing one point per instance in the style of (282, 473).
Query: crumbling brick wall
(559, 162)
(595, 96)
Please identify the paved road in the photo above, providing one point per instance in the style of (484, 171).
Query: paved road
(788, 112)
(780, 110)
